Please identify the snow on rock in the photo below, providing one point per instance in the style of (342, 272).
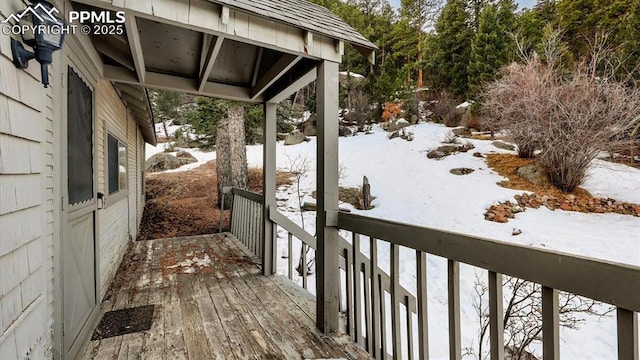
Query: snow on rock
(464, 105)
(352, 74)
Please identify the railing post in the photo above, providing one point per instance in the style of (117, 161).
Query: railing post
(453, 284)
(627, 334)
(550, 324)
(269, 181)
(496, 316)
(327, 270)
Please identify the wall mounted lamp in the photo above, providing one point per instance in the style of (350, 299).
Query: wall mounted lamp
(43, 31)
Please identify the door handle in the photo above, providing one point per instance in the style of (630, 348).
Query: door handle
(102, 200)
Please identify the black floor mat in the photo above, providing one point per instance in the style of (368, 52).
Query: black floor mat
(124, 321)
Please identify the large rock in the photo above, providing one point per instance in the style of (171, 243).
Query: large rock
(295, 138)
(454, 117)
(162, 162)
(503, 145)
(344, 131)
(186, 157)
(309, 127)
(395, 125)
(461, 131)
(535, 173)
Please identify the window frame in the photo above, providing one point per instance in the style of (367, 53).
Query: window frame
(122, 192)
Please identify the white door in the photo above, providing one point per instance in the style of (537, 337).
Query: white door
(79, 234)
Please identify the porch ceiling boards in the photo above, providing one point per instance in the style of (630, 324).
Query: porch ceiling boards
(222, 309)
(251, 51)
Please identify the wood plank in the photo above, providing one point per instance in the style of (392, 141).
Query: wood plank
(453, 285)
(627, 322)
(196, 342)
(596, 279)
(395, 302)
(269, 302)
(550, 324)
(423, 317)
(496, 316)
(280, 291)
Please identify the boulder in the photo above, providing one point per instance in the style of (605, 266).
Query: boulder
(395, 125)
(344, 131)
(454, 117)
(503, 145)
(461, 171)
(309, 127)
(295, 138)
(535, 173)
(186, 157)
(162, 162)
(461, 131)
(436, 154)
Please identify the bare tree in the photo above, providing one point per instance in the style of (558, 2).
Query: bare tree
(523, 316)
(231, 152)
(299, 167)
(570, 115)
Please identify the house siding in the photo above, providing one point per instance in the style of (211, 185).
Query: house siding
(31, 181)
(26, 208)
(118, 223)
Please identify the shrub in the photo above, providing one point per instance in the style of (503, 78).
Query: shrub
(569, 115)
(391, 111)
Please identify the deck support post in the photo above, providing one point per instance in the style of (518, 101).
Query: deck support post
(327, 267)
(269, 181)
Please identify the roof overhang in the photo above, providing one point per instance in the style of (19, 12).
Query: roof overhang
(238, 50)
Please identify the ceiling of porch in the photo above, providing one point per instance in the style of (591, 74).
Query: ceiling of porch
(238, 50)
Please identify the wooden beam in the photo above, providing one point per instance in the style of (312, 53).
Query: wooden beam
(176, 83)
(327, 264)
(256, 67)
(303, 81)
(135, 45)
(109, 51)
(134, 91)
(269, 180)
(207, 17)
(210, 59)
(135, 102)
(627, 334)
(272, 75)
(224, 15)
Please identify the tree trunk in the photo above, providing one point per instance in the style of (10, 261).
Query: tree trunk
(231, 153)
(420, 80)
(164, 126)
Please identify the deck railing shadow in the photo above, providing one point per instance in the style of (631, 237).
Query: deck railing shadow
(372, 296)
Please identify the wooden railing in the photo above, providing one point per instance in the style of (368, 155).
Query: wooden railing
(367, 287)
(246, 218)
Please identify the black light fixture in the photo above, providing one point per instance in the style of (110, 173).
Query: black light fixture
(44, 32)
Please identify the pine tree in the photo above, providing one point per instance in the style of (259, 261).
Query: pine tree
(417, 14)
(493, 45)
(451, 47)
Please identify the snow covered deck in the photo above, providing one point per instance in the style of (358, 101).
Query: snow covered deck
(211, 302)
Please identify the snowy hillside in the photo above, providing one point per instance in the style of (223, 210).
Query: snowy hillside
(411, 188)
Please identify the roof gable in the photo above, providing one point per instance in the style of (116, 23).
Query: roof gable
(304, 15)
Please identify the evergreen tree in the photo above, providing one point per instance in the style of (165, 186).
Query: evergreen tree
(417, 14)
(486, 50)
(452, 48)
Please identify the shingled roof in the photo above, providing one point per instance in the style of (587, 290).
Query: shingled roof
(304, 15)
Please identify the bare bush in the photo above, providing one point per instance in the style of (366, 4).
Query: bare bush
(569, 115)
(523, 316)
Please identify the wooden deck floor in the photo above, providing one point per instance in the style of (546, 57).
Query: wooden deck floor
(212, 303)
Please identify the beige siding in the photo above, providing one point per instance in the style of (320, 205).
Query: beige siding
(26, 207)
(114, 232)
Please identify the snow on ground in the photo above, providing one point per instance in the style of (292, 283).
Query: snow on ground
(412, 189)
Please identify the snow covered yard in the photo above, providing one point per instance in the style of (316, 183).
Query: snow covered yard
(413, 189)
